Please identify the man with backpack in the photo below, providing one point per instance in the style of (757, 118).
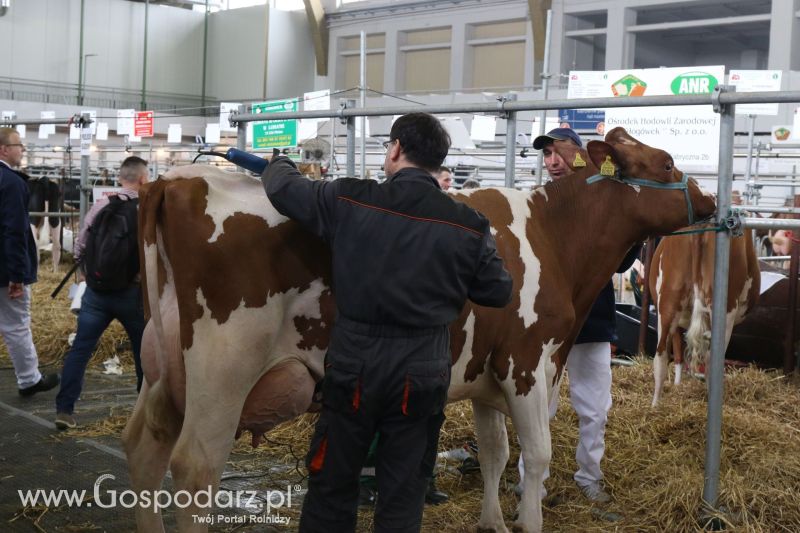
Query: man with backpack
(107, 248)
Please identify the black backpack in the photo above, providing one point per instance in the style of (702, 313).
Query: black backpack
(111, 257)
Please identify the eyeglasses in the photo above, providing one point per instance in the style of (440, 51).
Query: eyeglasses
(14, 144)
(387, 143)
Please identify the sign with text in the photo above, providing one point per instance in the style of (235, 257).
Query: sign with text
(689, 133)
(582, 119)
(143, 124)
(275, 133)
(750, 81)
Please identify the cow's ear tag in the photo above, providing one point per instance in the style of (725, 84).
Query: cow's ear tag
(578, 162)
(608, 168)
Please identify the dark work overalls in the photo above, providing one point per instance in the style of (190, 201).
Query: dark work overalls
(405, 259)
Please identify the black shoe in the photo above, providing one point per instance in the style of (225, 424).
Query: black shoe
(366, 496)
(48, 381)
(433, 495)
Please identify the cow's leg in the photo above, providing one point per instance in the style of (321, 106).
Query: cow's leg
(148, 440)
(677, 354)
(531, 420)
(55, 238)
(35, 231)
(661, 360)
(490, 426)
(209, 426)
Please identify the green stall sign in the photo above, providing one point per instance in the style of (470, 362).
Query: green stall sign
(275, 133)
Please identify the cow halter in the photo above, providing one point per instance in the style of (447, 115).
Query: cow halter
(682, 186)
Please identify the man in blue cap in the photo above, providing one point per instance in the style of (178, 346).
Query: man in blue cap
(589, 360)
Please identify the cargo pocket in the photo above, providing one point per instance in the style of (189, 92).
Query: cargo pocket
(315, 459)
(341, 389)
(425, 389)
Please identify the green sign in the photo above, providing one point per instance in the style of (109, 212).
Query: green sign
(694, 83)
(275, 133)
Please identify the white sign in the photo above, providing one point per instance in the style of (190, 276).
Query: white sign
(550, 123)
(74, 131)
(483, 128)
(125, 119)
(750, 81)
(49, 129)
(225, 109)
(174, 132)
(783, 134)
(212, 133)
(358, 126)
(459, 136)
(307, 129)
(102, 131)
(86, 141)
(315, 101)
(21, 129)
(689, 133)
(796, 129)
(9, 116)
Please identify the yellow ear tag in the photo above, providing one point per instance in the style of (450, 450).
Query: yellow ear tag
(578, 162)
(608, 168)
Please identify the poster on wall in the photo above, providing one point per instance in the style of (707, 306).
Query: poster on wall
(689, 133)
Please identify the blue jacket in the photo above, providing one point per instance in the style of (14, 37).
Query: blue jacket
(601, 324)
(18, 258)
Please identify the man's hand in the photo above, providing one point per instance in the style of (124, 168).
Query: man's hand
(15, 290)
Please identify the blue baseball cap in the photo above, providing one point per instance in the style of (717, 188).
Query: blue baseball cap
(557, 134)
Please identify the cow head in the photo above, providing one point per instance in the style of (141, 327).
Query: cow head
(670, 197)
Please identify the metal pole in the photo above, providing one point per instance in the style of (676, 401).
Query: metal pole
(144, 62)
(644, 316)
(333, 145)
(545, 88)
(241, 133)
(351, 142)
(84, 205)
(788, 354)
(716, 366)
(205, 57)
(511, 142)
(80, 60)
(363, 91)
(750, 190)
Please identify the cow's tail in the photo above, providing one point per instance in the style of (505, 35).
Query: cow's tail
(151, 200)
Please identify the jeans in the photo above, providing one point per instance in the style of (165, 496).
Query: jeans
(15, 327)
(98, 309)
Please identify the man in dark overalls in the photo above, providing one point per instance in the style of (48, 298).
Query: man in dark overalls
(405, 259)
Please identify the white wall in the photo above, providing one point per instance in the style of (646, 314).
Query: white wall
(41, 41)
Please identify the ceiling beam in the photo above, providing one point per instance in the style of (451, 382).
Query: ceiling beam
(538, 10)
(319, 33)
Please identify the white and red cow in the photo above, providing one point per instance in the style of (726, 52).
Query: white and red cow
(241, 311)
(46, 197)
(681, 280)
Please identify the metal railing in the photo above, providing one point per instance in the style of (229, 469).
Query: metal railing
(723, 99)
(103, 97)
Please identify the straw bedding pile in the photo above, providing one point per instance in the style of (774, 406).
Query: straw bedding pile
(654, 457)
(52, 322)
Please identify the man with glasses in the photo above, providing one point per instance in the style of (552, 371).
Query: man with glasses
(18, 265)
(405, 260)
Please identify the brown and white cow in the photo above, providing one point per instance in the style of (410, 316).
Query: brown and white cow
(681, 279)
(241, 310)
